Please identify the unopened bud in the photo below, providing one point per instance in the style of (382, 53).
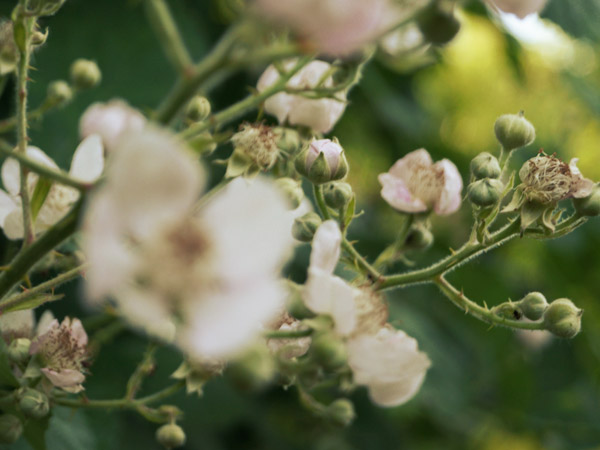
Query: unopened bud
(485, 192)
(438, 25)
(419, 237)
(170, 436)
(254, 369)
(485, 165)
(533, 305)
(322, 161)
(59, 92)
(590, 205)
(197, 109)
(337, 194)
(18, 350)
(288, 139)
(514, 131)
(562, 318)
(508, 310)
(85, 74)
(329, 351)
(305, 227)
(341, 411)
(292, 190)
(34, 404)
(10, 429)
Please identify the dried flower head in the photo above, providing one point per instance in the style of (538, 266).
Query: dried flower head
(255, 149)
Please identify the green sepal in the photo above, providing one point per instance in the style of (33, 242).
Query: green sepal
(349, 212)
(516, 202)
(203, 144)
(237, 164)
(42, 188)
(531, 211)
(20, 35)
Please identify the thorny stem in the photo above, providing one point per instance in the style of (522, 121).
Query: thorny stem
(145, 366)
(11, 122)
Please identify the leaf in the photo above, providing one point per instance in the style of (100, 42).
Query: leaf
(40, 193)
(349, 212)
(69, 430)
(579, 18)
(32, 303)
(35, 432)
(6, 375)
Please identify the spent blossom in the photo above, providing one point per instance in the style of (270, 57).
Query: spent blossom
(415, 184)
(183, 274)
(86, 166)
(320, 114)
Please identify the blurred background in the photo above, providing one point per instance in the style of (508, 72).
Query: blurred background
(488, 389)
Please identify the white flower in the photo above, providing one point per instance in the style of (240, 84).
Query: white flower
(318, 114)
(110, 120)
(389, 364)
(333, 27)
(86, 166)
(17, 324)
(520, 8)
(415, 184)
(206, 279)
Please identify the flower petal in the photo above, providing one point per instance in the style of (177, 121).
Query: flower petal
(450, 196)
(64, 378)
(7, 205)
(396, 193)
(326, 247)
(405, 167)
(88, 159)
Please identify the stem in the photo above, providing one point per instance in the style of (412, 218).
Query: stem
(29, 256)
(11, 122)
(164, 26)
(372, 273)
(45, 171)
(145, 366)
(479, 312)
(287, 334)
(318, 191)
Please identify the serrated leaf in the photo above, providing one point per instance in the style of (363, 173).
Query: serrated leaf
(7, 378)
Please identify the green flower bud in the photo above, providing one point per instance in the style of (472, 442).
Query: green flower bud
(438, 25)
(562, 318)
(590, 205)
(485, 165)
(10, 429)
(33, 403)
(341, 411)
(288, 139)
(514, 131)
(328, 351)
(18, 350)
(170, 436)
(337, 194)
(254, 369)
(59, 92)
(485, 192)
(508, 310)
(292, 190)
(322, 161)
(533, 305)
(85, 74)
(419, 237)
(305, 227)
(197, 109)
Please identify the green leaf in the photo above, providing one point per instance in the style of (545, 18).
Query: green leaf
(35, 433)
(349, 212)
(33, 302)
(6, 375)
(40, 193)
(580, 18)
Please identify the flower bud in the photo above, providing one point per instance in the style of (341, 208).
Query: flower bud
(508, 310)
(10, 429)
(34, 404)
(533, 305)
(197, 109)
(305, 227)
(59, 92)
(337, 194)
(485, 192)
(438, 25)
(485, 165)
(254, 369)
(590, 205)
(170, 436)
(85, 74)
(18, 350)
(292, 190)
(563, 318)
(419, 237)
(322, 161)
(514, 131)
(288, 139)
(341, 411)
(329, 351)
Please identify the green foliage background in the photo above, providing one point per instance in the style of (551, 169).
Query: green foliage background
(486, 389)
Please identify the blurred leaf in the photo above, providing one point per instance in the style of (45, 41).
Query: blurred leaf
(6, 375)
(579, 18)
(35, 433)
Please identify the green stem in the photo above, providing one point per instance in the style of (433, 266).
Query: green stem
(166, 30)
(142, 370)
(45, 171)
(320, 199)
(287, 334)
(29, 256)
(11, 122)
(469, 306)
(372, 273)
(23, 297)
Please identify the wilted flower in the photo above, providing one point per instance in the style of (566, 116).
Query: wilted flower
(62, 350)
(319, 114)
(322, 161)
(197, 277)
(254, 149)
(389, 364)
(414, 184)
(520, 8)
(86, 166)
(333, 27)
(110, 120)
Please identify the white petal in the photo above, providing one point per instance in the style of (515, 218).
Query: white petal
(396, 193)
(7, 205)
(451, 193)
(405, 167)
(13, 224)
(11, 176)
(46, 322)
(326, 246)
(65, 378)
(88, 159)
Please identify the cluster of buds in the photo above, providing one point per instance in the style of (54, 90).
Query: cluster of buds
(486, 189)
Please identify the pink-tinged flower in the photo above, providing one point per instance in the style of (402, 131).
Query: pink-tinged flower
(389, 363)
(86, 166)
(110, 120)
(414, 184)
(319, 114)
(520, 8)
(62, 351)
(333, 27)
